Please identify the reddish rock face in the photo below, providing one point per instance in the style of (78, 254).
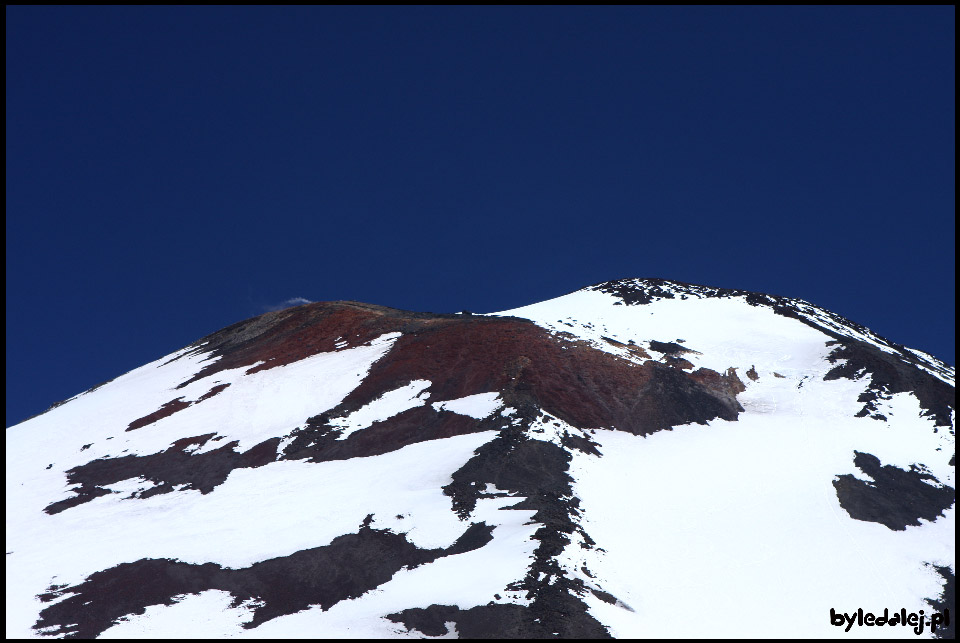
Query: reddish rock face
(531, 369)
(464, 355)
(286, 336)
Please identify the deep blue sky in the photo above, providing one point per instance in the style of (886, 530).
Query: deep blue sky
(173, 170)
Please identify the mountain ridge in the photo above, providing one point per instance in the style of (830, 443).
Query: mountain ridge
(537, 410)
(628, 289)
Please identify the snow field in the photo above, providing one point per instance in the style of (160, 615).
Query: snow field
(707, 526)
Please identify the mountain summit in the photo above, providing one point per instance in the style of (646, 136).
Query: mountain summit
(640, 458)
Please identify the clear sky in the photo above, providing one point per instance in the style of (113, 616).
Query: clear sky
(173, 170)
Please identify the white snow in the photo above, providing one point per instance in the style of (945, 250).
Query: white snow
(205, 615)
(256, 514)
(253, 408)
(476, 406)
(107, 531)
(386, 406)
(130, 486)
(696, 519)
(465, 580)
(723, 332)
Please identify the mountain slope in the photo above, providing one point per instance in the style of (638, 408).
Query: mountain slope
(638, 458)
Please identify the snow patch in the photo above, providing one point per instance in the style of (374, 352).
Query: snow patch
(131, 485)
(384, 407)
(207, 615)
(479, 406)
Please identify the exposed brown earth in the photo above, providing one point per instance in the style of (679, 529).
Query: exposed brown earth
(463, 355)
(171, 407)
(214, 391)
(166, 410)
(290, 335)
(571, 380)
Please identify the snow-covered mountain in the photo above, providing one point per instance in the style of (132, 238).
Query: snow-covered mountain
(637, 458)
